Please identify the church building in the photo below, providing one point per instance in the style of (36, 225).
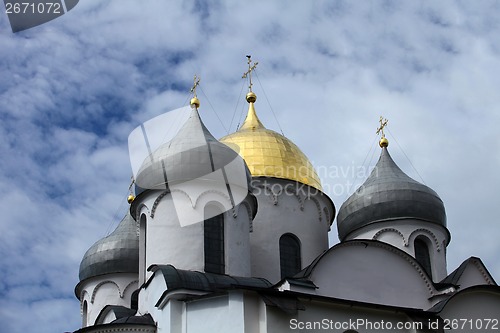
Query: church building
(207, 246)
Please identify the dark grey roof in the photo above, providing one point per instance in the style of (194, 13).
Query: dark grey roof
(119, 311)
(142, 320)
(454, 277)
(191, 154)
(130, 323)
(199, 281)
(116, 253)
(387, 194)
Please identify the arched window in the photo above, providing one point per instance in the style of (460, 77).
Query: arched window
(84, 314)
(422, 254)
(142, 249)
(134, 300)
(214, 243)
(290, 260)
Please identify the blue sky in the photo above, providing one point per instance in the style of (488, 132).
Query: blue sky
(72, 90)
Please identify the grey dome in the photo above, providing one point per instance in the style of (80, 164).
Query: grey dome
(388, 194)
(191, 154)
(116, 253)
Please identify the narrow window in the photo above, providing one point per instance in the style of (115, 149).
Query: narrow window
(134, 301)
(142, 249)
(422, 254)
(84, 314)
(290, 261)
(214, 244)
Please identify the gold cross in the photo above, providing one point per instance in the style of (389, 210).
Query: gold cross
(249, 72)
(196, 83)
(383, 123)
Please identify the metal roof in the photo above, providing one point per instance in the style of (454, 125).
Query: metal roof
(191, 154)
(194, 280)
(116, 253)
(388, 194)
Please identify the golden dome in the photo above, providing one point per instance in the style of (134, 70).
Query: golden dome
(269, 154)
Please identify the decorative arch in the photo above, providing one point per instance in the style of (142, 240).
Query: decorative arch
(139, 209)
(82, 295)
(318, 207)
(274, 196)
(394, 230)
(131, 284)
(296, 195)
(157, 201)
(219, 193)
(408, 258)
(427, 232)
(250, 214)
(100, 284)
(83, 298)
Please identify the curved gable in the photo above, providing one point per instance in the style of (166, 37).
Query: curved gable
(374, 272)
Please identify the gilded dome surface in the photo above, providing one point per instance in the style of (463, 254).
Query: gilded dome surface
(116, 253)
(269, 154)
(389, 194)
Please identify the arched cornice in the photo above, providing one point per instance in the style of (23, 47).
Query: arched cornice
(100, 284)
(82, 299)
(393, 230)
(157, 201)
(269, 192)
(219, 193)
(318, 206)
(296, 194)
(422, 231)
(248, 208)
(365, 243)
(138, 210)
(135, 282)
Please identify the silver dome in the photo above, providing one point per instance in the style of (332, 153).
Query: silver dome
(116, 253)
(191, 154)
(387, 194)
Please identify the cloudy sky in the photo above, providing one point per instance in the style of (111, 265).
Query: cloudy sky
(71, 91)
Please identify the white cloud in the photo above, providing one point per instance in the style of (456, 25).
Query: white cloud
(72, 89)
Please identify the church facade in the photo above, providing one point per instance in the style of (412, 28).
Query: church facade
(262, 263)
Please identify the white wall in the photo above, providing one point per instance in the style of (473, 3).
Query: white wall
(109, 289)
(472, 310)
(373, 272)
(286, 206)
(401, 233)
(169, 242)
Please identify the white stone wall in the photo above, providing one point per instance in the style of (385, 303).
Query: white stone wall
(169, 242)
(109, 289)
(402, 233)
(473, 311)
(286, 206)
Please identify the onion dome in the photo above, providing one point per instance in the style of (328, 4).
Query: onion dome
(389, 194)
(191, 154)
(269, 154)
(116, 253)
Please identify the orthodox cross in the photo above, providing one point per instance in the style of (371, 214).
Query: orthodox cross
(195, 84)
(248, 73)
(383, 123)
